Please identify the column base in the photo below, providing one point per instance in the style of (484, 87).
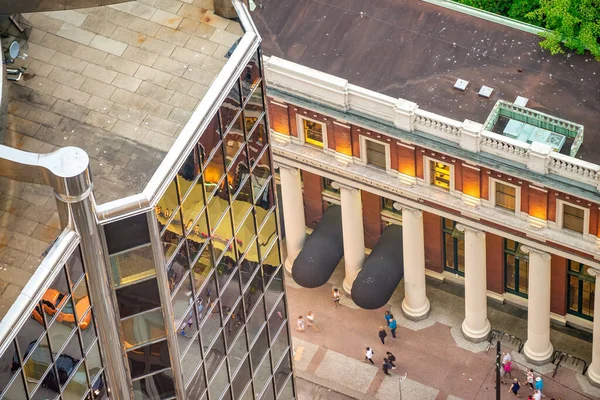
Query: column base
(347, 287)
(416, 314)
(537, 358)
(593, 377)
(476, 336)
(288, 265)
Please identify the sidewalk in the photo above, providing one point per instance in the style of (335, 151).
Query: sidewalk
(440, 363)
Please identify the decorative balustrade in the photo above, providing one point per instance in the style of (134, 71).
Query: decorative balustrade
(437, 125)
(572, 168)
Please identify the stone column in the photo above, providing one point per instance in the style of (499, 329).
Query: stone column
(476, 325)
(538, 349)
(415, 305)
(594, 369)
(293, 213)
(353, 231)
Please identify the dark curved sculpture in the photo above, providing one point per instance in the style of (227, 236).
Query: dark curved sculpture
(382, 271)
(8, 7)
(322, 251)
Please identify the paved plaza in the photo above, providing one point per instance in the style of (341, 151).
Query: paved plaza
(439, 363)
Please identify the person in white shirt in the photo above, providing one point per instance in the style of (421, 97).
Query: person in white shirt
(537, 395)
(369, 355)
(300, 324)
(310, 321)
(506, 357)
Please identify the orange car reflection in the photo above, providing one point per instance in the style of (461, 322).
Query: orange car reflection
(53, 300)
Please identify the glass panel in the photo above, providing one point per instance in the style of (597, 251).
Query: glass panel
(440, 175)
(210, 139)
(82, 302)
(188, 173)
(267, 235)
(575, 266)
(510, 245)
(587, 298)
(214, 356)
(573, 218)
(448, 224)
(172, 237)
(505, 196)
(219, 383)
(376, 155)
(250, 76)
(288, 391)
(211, 326)
(262, 375)
(280, 345)
(99, 389)
(283, 371)
(256, 321)
(244, 224)
(62, 326)
(191, 208)
(268, 394)
(253, 292)
(8, 358)
(137, 298)
(29, 334)
(238, 351)
(182, 300)
(37, 362)
(206, 298)
(155, 387)
(225, 269)
(187, 330)
(449, 251)
(511, 271)
(178, 268)
(230, 107)
(68, 360)
(247, 266)
(88, 334)
(277, 318)
(258, 139)
(259, 348)
(313, 132)
(234, 143)
(168, 203)
(75, 267)
(234, 324)
(523, 276)
(230, 295)
(213, 173)
(460, 247)
(92, 360)
(241, 379)
(242, 187)
(221, 241)
(260, 176)
(191, 359)
(143, 328)
(16, 391)
(132, 265)
(147, 359)
(197, 385)
(198, 235)
(127, 233)
(202, 268)
(274, 290)
(78, 385)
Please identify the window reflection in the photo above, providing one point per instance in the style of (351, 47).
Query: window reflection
(197, 386)
(214, 356)
(230, 107)
(143, 328)
(171, 238)
(75, 267)
(206, 298)
(191, 360)
(132, 265)
(213, 172)
(256, 321)
(209, 140)
(230, 295)
(137, 298)
(182, 300)
(242, 185)
(211, 325)
(241, 379)
(250, 77)
(238, 350)
(178, 268)
(197, 236)
(267, 235)
(158, 386)
(274, 290)
(188, 172)
(278, 316)
(222, 242)
(192, 205)
(147, 359)
(258, 138)
(219, 382)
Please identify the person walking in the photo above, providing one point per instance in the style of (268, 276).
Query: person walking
(382, 335)
(336, 297)
(393, 325)
(387, 316)
(310, 321)
(506, 357)
(386, 366)
(529, 378)
(514, 388)
(300, 324)
(537, 395)
(539, 386)
(369, 355)
(507, 370)
(391, 358)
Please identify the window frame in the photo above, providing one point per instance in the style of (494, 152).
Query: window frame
(427, 174)
(560, 206)
(363, 153)
(447, 232)
(518, 257)
(302, 134)
(492, 195)
(582, 277)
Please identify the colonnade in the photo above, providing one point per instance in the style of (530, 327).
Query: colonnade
(476, 326)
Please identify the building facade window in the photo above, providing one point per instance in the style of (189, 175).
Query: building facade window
(376, 154)
(506, 196)
(388, 205)
(516, 268)
(313, 132)
(328, 186)
(582, 290)
(573, 218)
(439, 175)
(454, 247)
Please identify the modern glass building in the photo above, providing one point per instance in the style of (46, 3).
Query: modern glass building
(176, 292)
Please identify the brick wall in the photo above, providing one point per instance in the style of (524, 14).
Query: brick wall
(278, 117)
(494, 253)
(434, 254)
(313, 203)
(558, 285)
(371, 207)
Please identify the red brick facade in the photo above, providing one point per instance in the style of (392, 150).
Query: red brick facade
(371, 205)
(434, 253)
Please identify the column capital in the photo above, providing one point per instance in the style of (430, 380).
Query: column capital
(593, 272)
(339, 186)
(292, 170)
(400, 207)
(465, 228)
(531, 250)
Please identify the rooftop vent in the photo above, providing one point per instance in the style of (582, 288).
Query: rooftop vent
(485, 92)
(521, 101)
(461, 85)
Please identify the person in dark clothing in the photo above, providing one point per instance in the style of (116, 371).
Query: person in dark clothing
(391, 358)
(382, 334)
(393, 325)
(386, 366)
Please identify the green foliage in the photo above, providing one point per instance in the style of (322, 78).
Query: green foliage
(496, 6)
(520, 8)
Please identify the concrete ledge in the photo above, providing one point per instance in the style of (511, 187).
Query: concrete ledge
(336, 387)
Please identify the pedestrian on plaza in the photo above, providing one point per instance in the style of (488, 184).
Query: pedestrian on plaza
(393, 325)
(382, 334)
(537, 395)
(506, 357)
(310, 321)
(514, 388)
(300, 324)
(529, 379)
(507, 370)
(387, 316)
(539, 385)
(336, 296)
(369, 355)
(391, 358)
(386, 366)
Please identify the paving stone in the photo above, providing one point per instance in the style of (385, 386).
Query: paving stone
(44, 117)
(208, 4)
(205, 31)
(45, 233)
(108, 45)
(33, 97)
(127, 114)
(180, 116)
(197, 75)
(39, 52)
(38, 68)
(130, 131)
(128, 36)
(68, 63)
(71, 95)
(31, 144)
(90, 148)
(188, 25)
(141, 56)
(129, 99)
(41, 84)
(136, 9)
(13, 207)
(155, 92)
(180, 85)
(100, 120)
(210, 18)
(346, 371)
(69, 110)
(235, 28)
(150, 3)
(18, 108)
(213, 64)
(188, 57)
(192, 12)
(221, 52)
(99, 73)
(224, 38)
(24, 126)
(153, 75)
(36, 194)
(28, 245)
(170, 6)
(45, 23)
(92, 55)
(143, 26)
(120, 65)
(115, 157)
(169, 66)
(126, 82)
(158, 140)
(201, 45)
(67, 77)
(160, 125)
(75, 34)
(158, 46)
(5, 236)
(53, 136)
(97, 88)
(13, 273)
(69, 16)
(99, 26)
(183, 101)
(157, 108)
(172, 36)
(76, 128)
(99, 104)
(63, 45)
(166, 19)
(198, 90)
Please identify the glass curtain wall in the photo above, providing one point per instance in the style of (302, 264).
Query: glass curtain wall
(56, 353)
(218, 229)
